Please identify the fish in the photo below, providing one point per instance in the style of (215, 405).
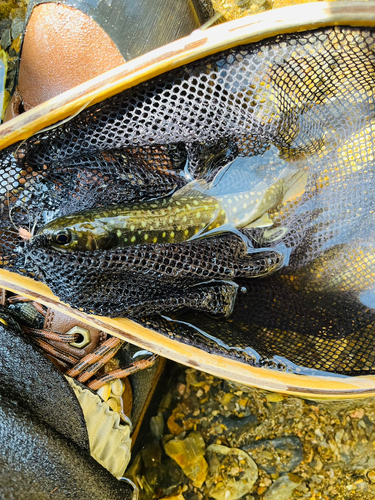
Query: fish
(198, 209)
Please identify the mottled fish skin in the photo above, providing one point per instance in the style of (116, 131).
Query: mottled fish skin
(243, 209)
(165, 220)
(190, 213)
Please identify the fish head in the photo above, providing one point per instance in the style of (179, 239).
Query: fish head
(71, 233)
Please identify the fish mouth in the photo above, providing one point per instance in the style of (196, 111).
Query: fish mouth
(39, 238)
(38, 241)
(42, 241)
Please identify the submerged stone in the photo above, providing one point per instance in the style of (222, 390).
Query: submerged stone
(151, 455)
(232, 472)
(236, 427)
(189, 454)
(283, 487)
(157, 425)
(276, 456)
(17, 28)
(6, 39)
(180, 496)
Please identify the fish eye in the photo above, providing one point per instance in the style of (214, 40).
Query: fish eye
(63, 237)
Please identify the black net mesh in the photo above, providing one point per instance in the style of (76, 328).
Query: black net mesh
(302, 287)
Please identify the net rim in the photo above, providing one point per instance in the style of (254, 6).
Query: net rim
(305, 386)
(198, 44)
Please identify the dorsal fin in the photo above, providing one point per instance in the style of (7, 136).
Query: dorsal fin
(192, 189)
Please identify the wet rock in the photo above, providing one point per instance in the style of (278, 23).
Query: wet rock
(157, 425)
(232, 472)
(5, 24)
(278, 455)
(189, 454)
(17, 27)
(175, 474)
(180, 496)
(153, 477)
(273, 397)
(283, 487)
(239, 426)
(190, 495)
(151, 455)
(195, 379)
(236, 429)
(6, 39)
(177, 424)
(19, 13)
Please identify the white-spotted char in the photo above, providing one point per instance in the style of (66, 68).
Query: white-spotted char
(190, 213)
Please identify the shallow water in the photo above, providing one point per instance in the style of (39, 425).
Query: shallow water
(296, 448)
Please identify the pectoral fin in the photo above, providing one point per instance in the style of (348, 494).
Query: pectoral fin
(296, 186)
(263, 221)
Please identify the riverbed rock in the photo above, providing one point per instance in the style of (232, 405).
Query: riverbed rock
(189, 454)
(283, 487)
(276, 456)
(232, 472)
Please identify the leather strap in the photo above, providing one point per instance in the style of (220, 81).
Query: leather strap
(61, 323)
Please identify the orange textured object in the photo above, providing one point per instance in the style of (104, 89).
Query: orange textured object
(62, 48)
